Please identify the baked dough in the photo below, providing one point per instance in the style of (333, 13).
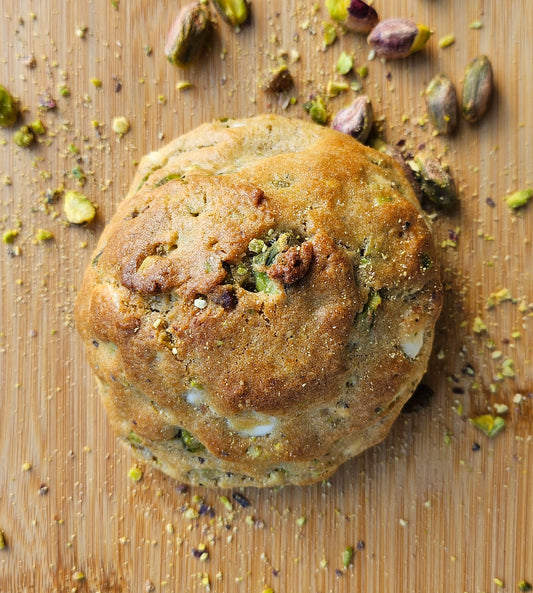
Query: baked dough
(262, 304)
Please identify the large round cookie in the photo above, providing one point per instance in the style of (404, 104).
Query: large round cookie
(262, 304)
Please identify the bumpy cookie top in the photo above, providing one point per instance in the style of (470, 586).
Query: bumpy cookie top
(259, 274)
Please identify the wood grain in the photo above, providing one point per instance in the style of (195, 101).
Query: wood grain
(427, 511)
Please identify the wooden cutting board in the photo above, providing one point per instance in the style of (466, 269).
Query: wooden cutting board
(437, 506)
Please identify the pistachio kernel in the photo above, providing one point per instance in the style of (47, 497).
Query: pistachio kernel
(398, 38)
(24, 137)
(278, 80)
(188, 34)
(356, 119)
(441, 102)
(77, 208)
(477, 88)
(435, 181)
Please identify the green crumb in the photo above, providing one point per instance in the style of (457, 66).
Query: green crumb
(498, 297)
(10, 235)
(317, 110)
(362, 71)
(446, 41)
(525, 586)
(301, 521)
(63, 90)
(8, 108)
(44, 235)
(78, 173)
(498, 582)
(347, 556)
(96, 82)
(488, 424)
(226, 502)
(344, 63)
(335, 88)
(120, 125)
(78, 208)
(477, 24)
(23, 137)
(479, 326)
(329, 34)
(3, 543)
(182, 85)
(78, 576)
(37, 127)
(135, 474)
(518, 199)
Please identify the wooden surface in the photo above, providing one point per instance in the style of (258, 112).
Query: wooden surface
(424, 511)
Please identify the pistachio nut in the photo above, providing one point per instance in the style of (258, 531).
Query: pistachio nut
(24, 137)
(393, 152)
(398, 38)
(278, 80)
(355, 15)
(317, 109)
(188, 34)
(477, 88)
(356, 119)
(441, 102)
(234, 12)
(78, 208)
(435, 181)
(8, 108)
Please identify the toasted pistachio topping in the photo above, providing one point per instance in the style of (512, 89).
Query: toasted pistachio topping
(441, 102)
(78, 208)
(8, 108)
(355, 15)
(235, 12)
(398, 38)
(477, 88)
(356, 119)
(188, 34)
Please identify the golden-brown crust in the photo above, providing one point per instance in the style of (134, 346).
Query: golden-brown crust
(268, 288)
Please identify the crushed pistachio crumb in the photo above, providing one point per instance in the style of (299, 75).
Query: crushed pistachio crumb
(81, 31)
(447, 40)
(78, 208)
(301, 521)
(362, 71)
(3, 543)
(344, 63)
(329, 34)
(226, 502)
(44, 235)
(135, 474)
(10, 235)
(182, 85)
(347, 556)
(518, 199)
(498, 297)
(96, 82)
(335, 88)
(479, 326)
(488, 424)
(78, 575)
(525, 586)
(477, 24)
(498, 582)
(120, 125)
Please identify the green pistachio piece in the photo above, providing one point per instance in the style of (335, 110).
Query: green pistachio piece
(23, 137)
(8, 108)
(77, 208)
(190, 442)
(488, 424)
(235, 12)
(519, 198)
(318, 110)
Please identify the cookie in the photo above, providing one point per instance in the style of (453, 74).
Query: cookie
(262, 304)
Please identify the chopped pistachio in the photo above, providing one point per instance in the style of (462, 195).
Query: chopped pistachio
(3, 543)
(488, 424)
(226, 502)
(479, 326)
(525, 586)
(362, 71)
(77, 208)
(183, 84)
(301, 521)
(78, 173)
(120, 125)
(190, 442)
(317, 109)
(63, 90)
(329, 34)
(477, 24)
(78, 575)
(344, 63)
(518, 199)
(23, 137)
(96, 82)
(500, 296)
(347, 556)
(8, 108)
(44, 235)
(335, 88)
(447, 40)
(37, 127)
(81, 31)
(9, 236)
(135, 474)
(498, 582)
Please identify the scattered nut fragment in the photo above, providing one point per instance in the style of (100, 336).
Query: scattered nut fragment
(356, 119)
(488, 424)
(435, 181)
(188, 34)
(477, 88)
(234, 12)
(317, 109)
(46, 101)
(519, 198)
(355, 15)
(24, 137)
(8, 108)
(3, 543)
(120, 125)
(279, 80)
(441, 102)
(78, 208)
(398, 38)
